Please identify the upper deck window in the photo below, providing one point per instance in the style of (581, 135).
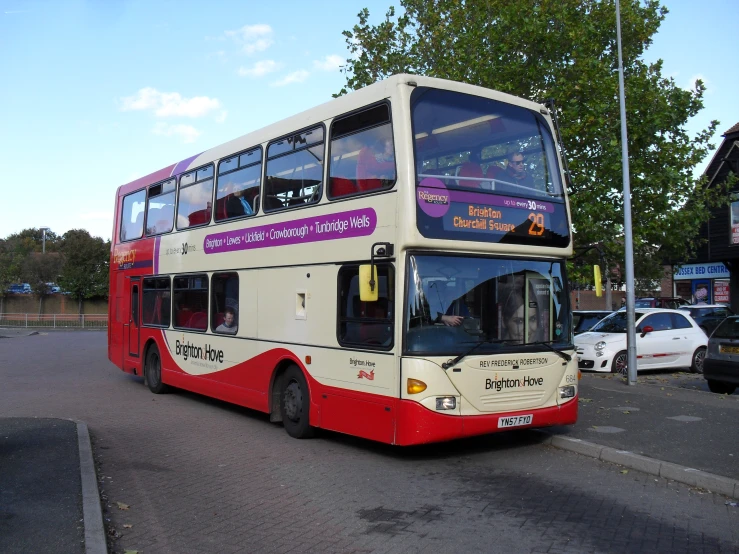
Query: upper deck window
(196, 198)
(237, 192)
(132, 218)
(362, 153)
(160, 208)
(485, 171)
(294, 174)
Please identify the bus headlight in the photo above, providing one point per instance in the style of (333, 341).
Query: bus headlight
(565, 392)
(446, 403)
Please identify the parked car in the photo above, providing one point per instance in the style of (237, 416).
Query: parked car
(664, 339)
(584, 320)
(721, 366)
(20, 288)
(708, 316)
(670, 302)
(53, 288)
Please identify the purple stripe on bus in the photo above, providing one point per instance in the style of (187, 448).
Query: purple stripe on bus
(156, 255)
(342, 225)
(183, 165)
(505, 201)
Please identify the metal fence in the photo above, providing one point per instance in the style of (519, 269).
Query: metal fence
(55, 321)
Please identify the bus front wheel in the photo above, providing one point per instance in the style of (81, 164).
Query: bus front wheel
(153, 371)
(295, 404)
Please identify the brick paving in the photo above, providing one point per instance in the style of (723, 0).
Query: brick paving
(183, 473)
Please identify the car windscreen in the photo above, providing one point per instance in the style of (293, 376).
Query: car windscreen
(728, 329)
(585, 322)
(615, 323)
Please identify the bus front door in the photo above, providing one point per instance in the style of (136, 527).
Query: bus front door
(133, 318)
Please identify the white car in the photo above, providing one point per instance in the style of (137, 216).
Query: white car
(664, 339)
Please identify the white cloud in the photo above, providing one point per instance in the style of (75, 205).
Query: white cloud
(329, 63)
(221, 116)
(188, 133)
(169, 104)
(252, 38)
(294, 77)
(259, 69)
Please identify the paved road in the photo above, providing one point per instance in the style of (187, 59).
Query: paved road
(182, 473)
(671, 417)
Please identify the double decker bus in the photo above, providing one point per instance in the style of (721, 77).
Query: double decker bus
(390, 265)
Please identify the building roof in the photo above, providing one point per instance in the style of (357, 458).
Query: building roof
(734, 129)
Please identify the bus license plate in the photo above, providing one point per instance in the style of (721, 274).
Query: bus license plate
(515, 421)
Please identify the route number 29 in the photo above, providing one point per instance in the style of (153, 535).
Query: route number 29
(537, 224)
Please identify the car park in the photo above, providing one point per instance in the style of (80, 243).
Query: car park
(584, 320)
(670, 302)
(721, 366)
(708, 316)
(664, 339)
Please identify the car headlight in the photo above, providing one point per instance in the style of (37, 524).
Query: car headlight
(600, 345)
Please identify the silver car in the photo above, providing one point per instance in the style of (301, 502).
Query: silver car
(721, 365)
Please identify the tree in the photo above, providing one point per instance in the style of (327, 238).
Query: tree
(566, 50)
(14, 253)
(38, 270)
(86, 265)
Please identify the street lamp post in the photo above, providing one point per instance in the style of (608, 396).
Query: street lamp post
(628, 238)
(43, 239)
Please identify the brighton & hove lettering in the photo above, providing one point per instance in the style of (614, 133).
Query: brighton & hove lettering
(189, 350)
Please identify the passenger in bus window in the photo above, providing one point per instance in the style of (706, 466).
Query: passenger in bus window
(519, 324)
(238, 205)
(516, 170)
(229, 325)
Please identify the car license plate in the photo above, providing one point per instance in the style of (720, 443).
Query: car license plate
(725, 349)
(515, 421)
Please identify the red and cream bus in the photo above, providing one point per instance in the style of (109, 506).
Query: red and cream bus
(390, 264)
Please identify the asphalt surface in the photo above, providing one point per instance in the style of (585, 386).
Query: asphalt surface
(670, 419)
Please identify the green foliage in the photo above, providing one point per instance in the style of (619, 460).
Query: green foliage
(566, 50)
(86, 264)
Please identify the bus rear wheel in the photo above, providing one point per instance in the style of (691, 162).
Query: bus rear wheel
(295, 404)
(153, 371)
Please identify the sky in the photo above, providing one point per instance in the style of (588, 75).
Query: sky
(96, 93)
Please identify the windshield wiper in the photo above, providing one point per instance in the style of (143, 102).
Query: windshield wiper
(450, 363)
(548, 344)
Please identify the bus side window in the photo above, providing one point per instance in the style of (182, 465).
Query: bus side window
(362, 153)
(160, 208)
(366, 324)
(156, 302)
(132, 218)
(224, 304)
(239, 178)
(194, 207)
(294, 175)
(190, 302)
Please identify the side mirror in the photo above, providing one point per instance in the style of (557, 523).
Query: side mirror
(646, 329)
(367, 292)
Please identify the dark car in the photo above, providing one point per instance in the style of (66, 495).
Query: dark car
(584, 320)
(708, 316)
(721, 365)
(670, 302)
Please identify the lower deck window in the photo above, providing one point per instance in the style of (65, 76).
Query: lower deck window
(156, 301)
(366, 324)
(190, 299)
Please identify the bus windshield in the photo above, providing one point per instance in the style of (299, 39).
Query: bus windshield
(455, 302)
(485, 170)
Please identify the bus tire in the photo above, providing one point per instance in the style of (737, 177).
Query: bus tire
(295, 404)
(153, 371)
